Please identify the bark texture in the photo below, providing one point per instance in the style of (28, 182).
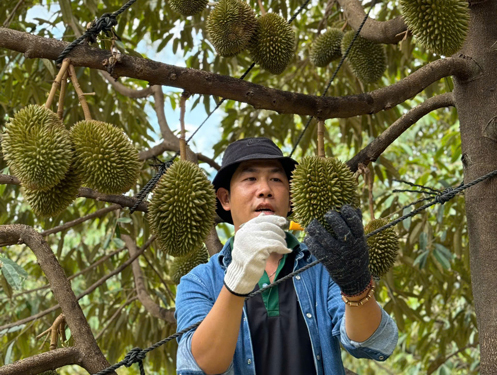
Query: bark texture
(476, 103)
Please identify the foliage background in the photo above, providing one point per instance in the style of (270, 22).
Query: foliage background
(428, 292)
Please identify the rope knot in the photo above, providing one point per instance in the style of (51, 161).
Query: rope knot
(446, 195)
(135, 355)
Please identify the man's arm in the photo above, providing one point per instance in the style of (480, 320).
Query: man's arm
(362, 321)
(214, 341)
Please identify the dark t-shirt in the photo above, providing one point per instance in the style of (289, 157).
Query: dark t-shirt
(279, 334)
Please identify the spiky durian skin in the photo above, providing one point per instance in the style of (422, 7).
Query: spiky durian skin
(37, 147)
(273, 43)
(188, 7)
(182, 265)
(231, 25)
(51, 202)
(439, 25)
(383, 247)
(320, 184)
(182, 209)
(327, 47)
(104, 157)
(366, 58)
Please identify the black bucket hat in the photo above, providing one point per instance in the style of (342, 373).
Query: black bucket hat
(244, 150)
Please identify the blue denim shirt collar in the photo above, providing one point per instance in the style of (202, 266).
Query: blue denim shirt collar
(292, 242)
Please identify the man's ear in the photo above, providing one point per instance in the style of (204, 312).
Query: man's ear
(224, 198)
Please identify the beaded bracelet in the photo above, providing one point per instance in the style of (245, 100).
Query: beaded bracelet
(362, 301)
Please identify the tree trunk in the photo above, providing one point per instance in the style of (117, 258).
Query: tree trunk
(476, 102)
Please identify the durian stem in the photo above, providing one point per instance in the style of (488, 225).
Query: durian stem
(56, 83)
(62, 94)
(321, 138)
(81, 95)
(182, 139)
(263, 11)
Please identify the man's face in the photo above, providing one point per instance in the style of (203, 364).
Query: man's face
(256, 186)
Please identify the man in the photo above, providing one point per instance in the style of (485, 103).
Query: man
(297, 326)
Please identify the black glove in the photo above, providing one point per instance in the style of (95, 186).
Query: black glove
(346, 250)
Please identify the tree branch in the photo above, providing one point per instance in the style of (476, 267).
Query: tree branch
(141, 289)
(377, 31)
(93, 359)
(94, 286)
(80, 220)
(43, 362)
(201, 82)
(212, 242)
(121, 200)
(373, 151)
(90, 267)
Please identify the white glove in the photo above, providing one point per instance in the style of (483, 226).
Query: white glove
(254, 242)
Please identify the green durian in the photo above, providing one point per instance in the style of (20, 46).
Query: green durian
(182, 209)
(37, 147)
(439, 25)
(188, 7)
(383, 247)
(53, 201)
(320, 184)
(104, 157)
(182, 265)
(366, 58)
(231, 25)
(273, 43)
(327, 47)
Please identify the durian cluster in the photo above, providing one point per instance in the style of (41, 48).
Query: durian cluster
(440, 25)
(233, 27)
(383, 247)
(320, 184)
(52, 163)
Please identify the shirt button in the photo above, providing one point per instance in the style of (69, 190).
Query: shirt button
(249, 361)
(309, 315)
(318, 357)
(381, 358)
(264, 285)
(297, 277)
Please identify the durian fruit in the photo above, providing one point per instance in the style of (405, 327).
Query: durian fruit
(104, 157)
(273, 43)
(182, 265)
(383, 247)
(318, 185)
(37, 147)
(188, 7)
(53, 201)
(439, 25)
(182, 209)
(230, 25)
(366, 58)
(327, 47)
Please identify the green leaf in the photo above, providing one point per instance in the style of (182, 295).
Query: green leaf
(441, 256)
(14, 273)
(8, 354)
(126, 220)
(118, 242)
(407, 222)
(423, 241)
(421, 259)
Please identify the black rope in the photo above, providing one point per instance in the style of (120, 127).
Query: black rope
(151, 184)
(335, 73)
(105, 23)
(435, 191)
(137, 354)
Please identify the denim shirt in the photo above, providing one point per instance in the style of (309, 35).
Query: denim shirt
(321, 305)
